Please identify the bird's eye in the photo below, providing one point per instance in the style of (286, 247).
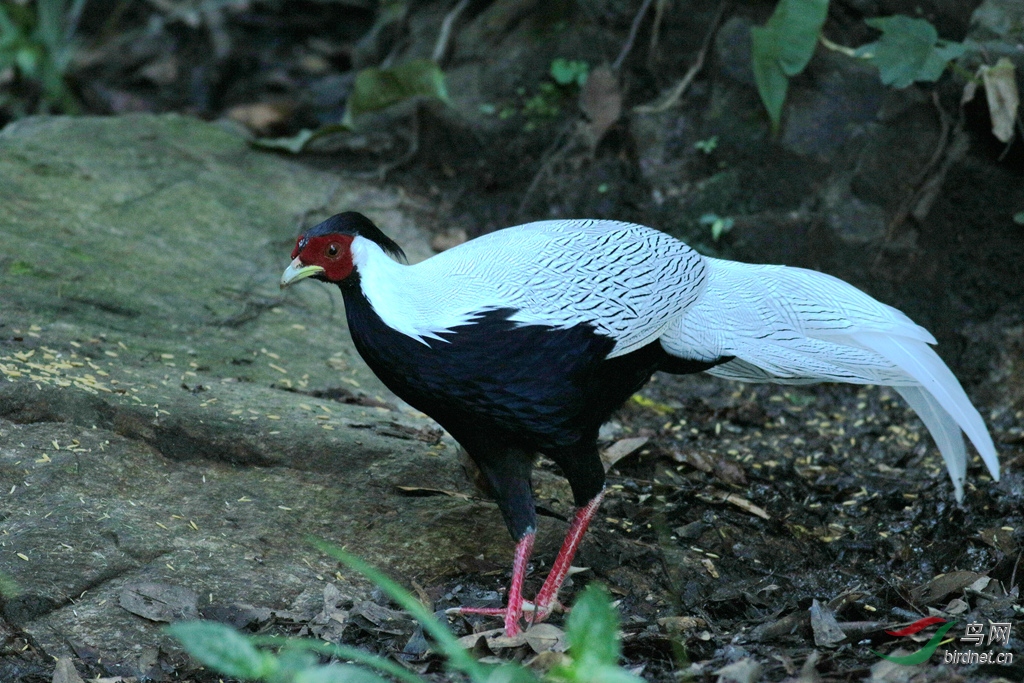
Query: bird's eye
(332, 250)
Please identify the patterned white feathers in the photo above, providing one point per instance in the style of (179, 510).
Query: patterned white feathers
(796, 326)
(637, 285)
(627, 280)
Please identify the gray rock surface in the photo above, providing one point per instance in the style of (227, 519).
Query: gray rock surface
(158, 423)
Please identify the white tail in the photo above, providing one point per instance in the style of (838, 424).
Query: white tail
(796, 326)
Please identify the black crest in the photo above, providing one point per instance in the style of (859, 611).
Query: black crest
(355, 223)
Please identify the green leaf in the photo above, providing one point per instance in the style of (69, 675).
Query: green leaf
(782, 47)
(8, 29)
(375, 89)
(458, 657)
(720, 227)
(592, 630)
(569, 71)
(909, 50)
(223, 648)
(338, 673)
(771, 80)
(797, 25)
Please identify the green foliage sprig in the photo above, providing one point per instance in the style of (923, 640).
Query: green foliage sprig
(782, 48)
(40, 47)
(909, 50)
(592, 634)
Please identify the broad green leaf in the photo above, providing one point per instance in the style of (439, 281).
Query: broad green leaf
(224, 649)
(8, 29)
(592, 630)
(782, 47)
(771, 80)
(338, 673)
(50, 23)
(909, 50)
(375, 89)
(797, 25)
(569, 71)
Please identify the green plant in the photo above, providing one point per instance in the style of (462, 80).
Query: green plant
(707, 146)
(545, 103)
(592, 636)
(782, 48)
(719, 225)
(39, 47)
(374, 89)
(569, 72)
(909, 50)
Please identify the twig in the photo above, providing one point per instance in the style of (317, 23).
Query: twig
(445, 37)
(1013, 574)
(681, 87)
(637, 20)
(554, 153)
(659, 14)
(919, 181)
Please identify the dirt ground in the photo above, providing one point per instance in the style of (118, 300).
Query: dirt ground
(787, 526)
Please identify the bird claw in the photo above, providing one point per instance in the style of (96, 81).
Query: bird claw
(530, 612)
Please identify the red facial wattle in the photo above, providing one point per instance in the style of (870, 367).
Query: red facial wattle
(333, 253)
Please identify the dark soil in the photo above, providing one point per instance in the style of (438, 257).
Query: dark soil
(858, 513)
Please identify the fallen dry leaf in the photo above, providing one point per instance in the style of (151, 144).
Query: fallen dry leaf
(65, 672)
(443, 241)
(262, 118)
(824, 625)
(1003, 99)
(743, 504)
(160, 601)
(743, 671)
(545, 638)
(620, 449)
(601, 101)
(539, 637)
(424, 492)
(681, 624)
(942, 586)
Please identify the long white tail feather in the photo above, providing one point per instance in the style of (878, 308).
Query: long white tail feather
(924, 365)
(796, 326)
(944, 430)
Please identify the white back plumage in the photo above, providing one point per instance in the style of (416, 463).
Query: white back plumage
(636, 285)
(627, 280)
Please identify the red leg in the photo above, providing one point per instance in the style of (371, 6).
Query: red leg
(548, 595)
(514, 612)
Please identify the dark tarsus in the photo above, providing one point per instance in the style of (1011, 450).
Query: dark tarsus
(507, 391)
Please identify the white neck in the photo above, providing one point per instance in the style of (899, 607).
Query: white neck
(406, 298)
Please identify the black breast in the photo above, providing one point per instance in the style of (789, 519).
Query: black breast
(541, 387)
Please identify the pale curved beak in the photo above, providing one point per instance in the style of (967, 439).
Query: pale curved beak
(297, 271)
